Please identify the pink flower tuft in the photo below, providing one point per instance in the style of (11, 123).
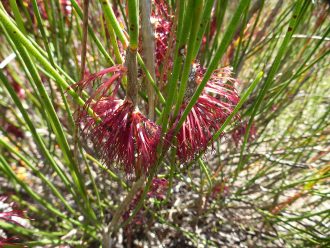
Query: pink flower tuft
(121, 134)
(214, 105)
(105, 92)
(162, 31)
(124, 135)
(105, 86)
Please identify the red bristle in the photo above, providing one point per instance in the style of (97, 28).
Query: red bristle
(119, 132)
(215, 104)
(124, 135)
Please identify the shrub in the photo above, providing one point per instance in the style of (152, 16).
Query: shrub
(166, 123)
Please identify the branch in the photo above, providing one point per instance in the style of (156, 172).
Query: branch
(148, 44)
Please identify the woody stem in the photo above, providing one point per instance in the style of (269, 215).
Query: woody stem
(132, 79)
(148, 44)
(131, 53)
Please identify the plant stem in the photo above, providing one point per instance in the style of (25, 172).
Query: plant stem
(132, 77)
(270, 77)
(131, 52)
(148, 44)
(109, 14)
(84, 40)
(92, 34)
(113, 226)
(133, 22)
(19, 37)
(214, 63)
(194, 27)
(82, 73)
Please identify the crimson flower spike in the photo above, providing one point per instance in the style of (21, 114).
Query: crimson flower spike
(123, 134)
(214, 105)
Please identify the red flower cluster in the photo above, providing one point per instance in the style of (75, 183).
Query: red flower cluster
(220, 189)
(122, 134)
(158, 188)
(215, 104)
